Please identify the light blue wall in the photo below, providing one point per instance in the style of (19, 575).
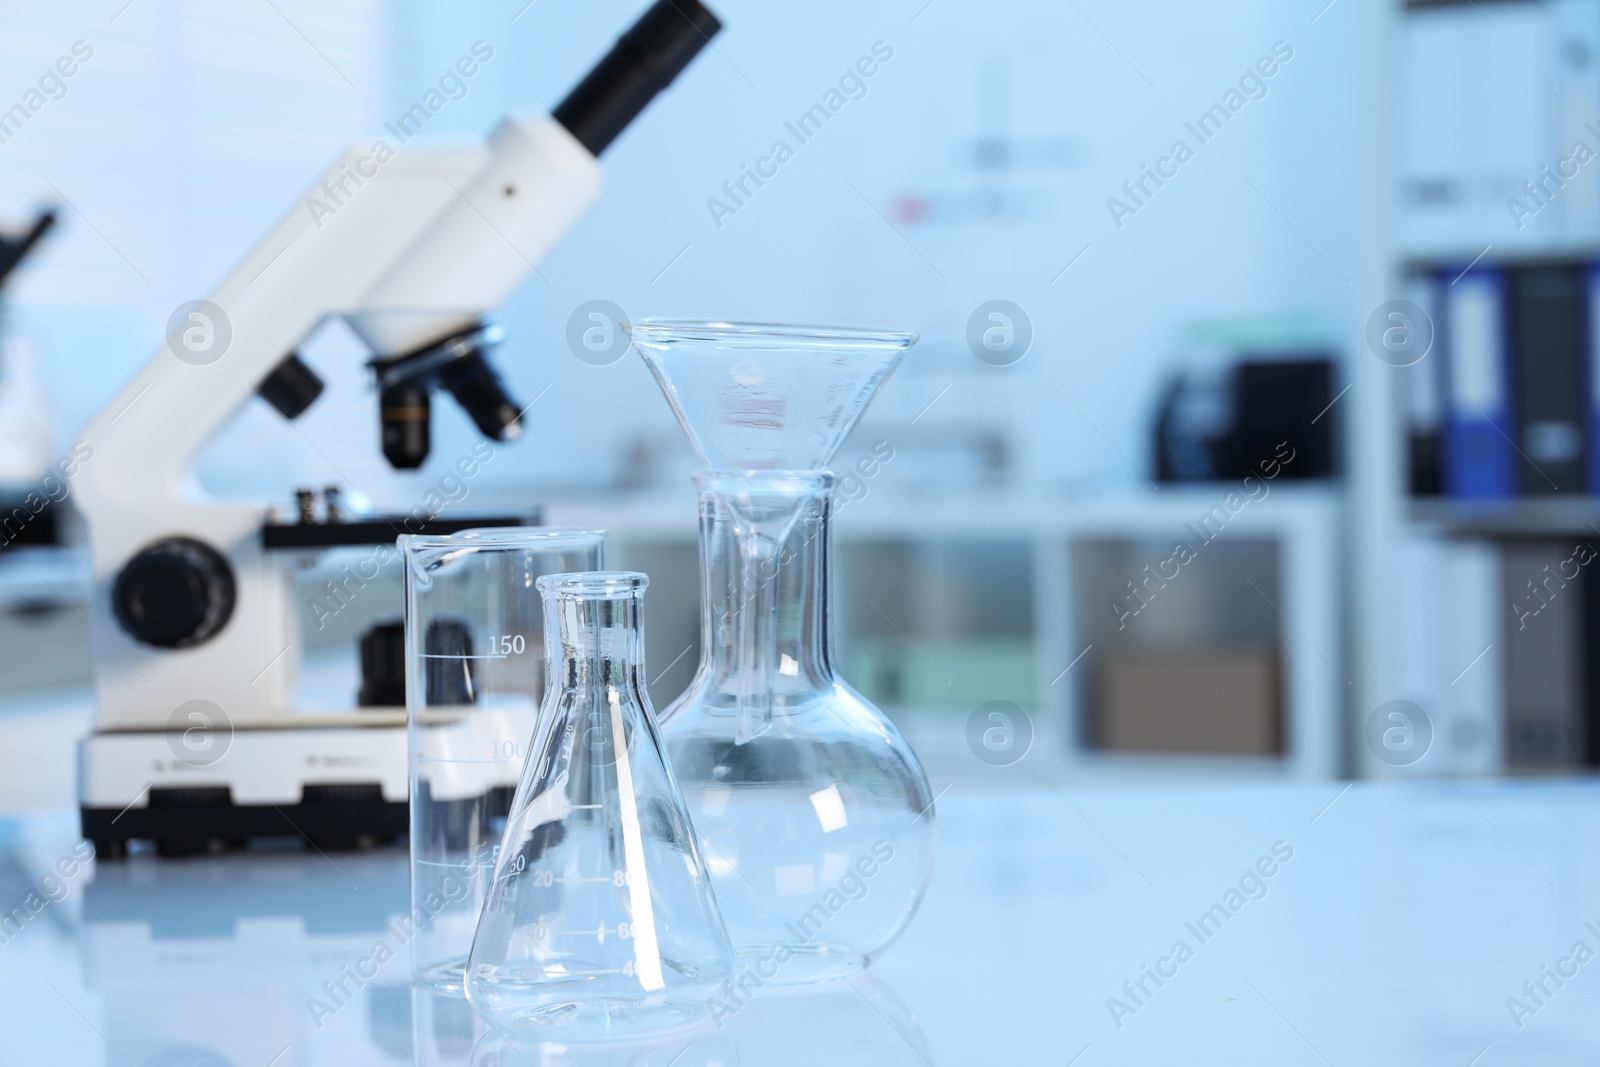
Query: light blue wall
(200, 125)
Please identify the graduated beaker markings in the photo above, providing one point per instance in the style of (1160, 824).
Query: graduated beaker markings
(502, 646)
(547, 877)
(511, 749)
(450, 759)
(622, 931)
(482, 858)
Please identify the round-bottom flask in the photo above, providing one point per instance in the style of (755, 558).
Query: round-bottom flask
(814, 814)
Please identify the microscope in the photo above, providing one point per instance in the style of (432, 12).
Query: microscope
(197, 742)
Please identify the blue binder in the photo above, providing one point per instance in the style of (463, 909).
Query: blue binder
(1480, 462)
(1592, 384)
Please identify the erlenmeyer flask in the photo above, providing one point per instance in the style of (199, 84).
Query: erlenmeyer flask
(600, 920)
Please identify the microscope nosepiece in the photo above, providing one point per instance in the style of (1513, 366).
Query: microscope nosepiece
(460, 366)
(405, 414)
(481, 394)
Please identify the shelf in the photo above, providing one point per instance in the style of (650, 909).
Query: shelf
(1304, 520)
(1507, 252)
(890, 511)
(1517, 517)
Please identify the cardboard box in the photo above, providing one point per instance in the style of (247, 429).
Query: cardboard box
(1218, 701)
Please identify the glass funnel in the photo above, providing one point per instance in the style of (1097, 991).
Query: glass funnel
(764, 397)
(815, 814)
(600, 919)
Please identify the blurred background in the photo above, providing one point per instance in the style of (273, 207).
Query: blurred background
(1249, 430)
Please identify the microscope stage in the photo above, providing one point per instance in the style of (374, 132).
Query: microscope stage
(338, 781)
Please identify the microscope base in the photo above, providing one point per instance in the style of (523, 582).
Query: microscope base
(191, 829)
(336, 785)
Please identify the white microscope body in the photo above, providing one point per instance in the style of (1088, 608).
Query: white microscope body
(422, 244)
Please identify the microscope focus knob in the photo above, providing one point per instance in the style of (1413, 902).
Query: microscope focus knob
(175, 593)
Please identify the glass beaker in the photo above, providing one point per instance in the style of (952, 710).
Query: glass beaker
(600, 921)
(474, 675)
(814, 812)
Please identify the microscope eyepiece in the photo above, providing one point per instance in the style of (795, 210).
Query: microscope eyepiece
(643, 62)
(14, 249)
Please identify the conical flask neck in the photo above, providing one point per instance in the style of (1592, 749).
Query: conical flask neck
(593, 689)
(597, 641)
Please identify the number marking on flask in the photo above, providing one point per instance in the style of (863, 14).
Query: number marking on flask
(622, 930)
(626, 968)
(547, 877)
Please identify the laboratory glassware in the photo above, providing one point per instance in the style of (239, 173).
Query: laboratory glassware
(474, 676)
(765, 397)
(600, 920)
(867, 1023)
(444, 1028)
(815, 814)
(703, 1046)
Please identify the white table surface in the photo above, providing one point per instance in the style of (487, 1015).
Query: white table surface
(1407, 917)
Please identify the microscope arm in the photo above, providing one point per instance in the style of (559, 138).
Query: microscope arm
(196, 630)
(411, 247)
(416, 253)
